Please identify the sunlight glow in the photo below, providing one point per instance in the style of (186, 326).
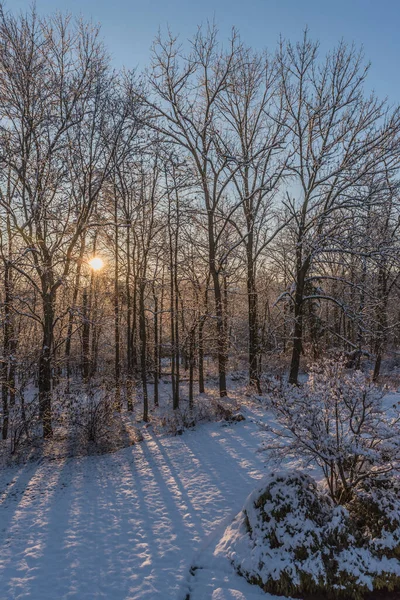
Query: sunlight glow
(96, 263)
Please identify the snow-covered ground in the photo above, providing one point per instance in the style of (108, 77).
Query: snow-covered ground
(129, 525)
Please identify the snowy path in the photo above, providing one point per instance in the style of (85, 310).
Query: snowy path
(125, 525)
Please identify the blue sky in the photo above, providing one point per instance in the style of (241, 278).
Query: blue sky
(129, 26)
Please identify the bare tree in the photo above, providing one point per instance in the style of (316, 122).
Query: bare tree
(54, 92)
(185, 90)
(251, 137)
(338, 135)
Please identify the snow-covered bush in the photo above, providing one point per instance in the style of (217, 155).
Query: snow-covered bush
(277, 540)
(23, 422)
(375, 510)
(204, 409)
(337, 420)
(291, 539)
(93, 416)
(175, 422)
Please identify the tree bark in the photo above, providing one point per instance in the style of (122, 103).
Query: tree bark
(68, 341)
(45, 364)
(301, 271)
(7, 334)
(221, 334)
(155, 356)
(143, 350)
(254, 374)
(117, 359)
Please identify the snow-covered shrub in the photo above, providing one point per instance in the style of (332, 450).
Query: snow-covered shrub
(292, 540)
(337, 420)
(372, 560)
(204, 409)
(237, 375)
(176, 421)
(23, 424)
(280, 540)
(375, 510)
(93, 416)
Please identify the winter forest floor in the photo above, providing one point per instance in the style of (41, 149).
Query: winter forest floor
(138, 523)
(129, 525)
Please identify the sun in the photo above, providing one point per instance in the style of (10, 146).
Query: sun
(96, 263)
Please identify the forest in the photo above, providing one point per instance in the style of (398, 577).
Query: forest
(244, 208)
(200, 280)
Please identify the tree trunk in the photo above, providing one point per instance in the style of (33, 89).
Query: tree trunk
(214, 273)
(301, 271)
(254, 374)
(201, 355)
(176, 321)
(155, 356)
(45, 364)
(85, 337)
(9, 339)
(173, 314)
(381, 316)
(221, 334)
(143, 351)
(129, 336)
(93, 324)
(191, 366)
(68, 341)
(5, 368)
(160, 332)
(117, 360)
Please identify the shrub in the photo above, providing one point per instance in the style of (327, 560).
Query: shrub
(204, 409)
(292, 540)
(93, 416)
(338, 421)
(23, 422)
(375, 510)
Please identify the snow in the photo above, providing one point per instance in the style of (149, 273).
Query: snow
(147, 522)
(129, 525)
(253, 552)
(301, 517)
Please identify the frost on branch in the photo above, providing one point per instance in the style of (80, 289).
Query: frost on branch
(339, 422)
